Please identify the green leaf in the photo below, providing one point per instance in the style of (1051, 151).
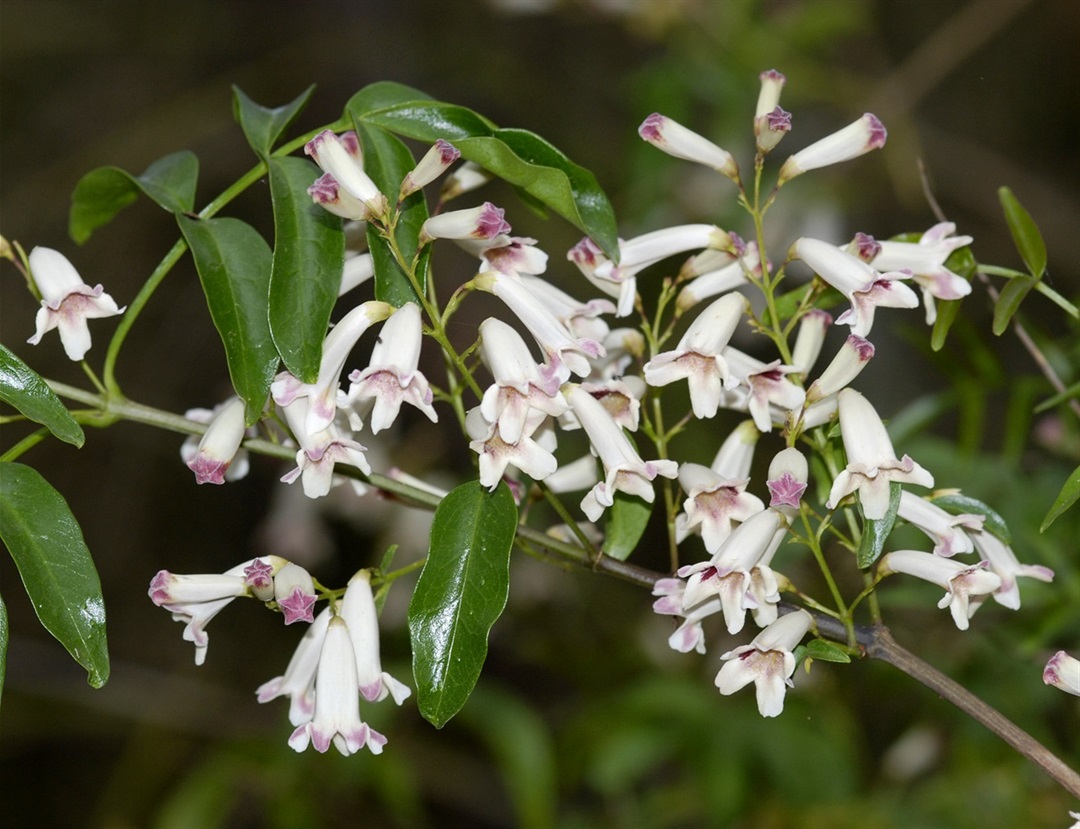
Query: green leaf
(826, 651)
(386, 161)
(1059, 398)
(875, 531)
(382, 95)
(263, 126)
(309, 254)
(234, 264)
(1009, 302)
(956, 504)
(1026, 236)
(23, 388)
(47, 545)
(1068, 496)
(5, 636)
(520, 157)
(104, 192)
(461, 591)
(626, 523)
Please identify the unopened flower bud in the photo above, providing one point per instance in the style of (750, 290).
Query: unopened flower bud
(857, 138)
(219, 444)
(851, 359)
(434, 163)
(294, 591)
(676, 140)
(483, 222)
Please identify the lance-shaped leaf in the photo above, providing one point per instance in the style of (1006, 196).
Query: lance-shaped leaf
(104, 192)
(1008, 303)
(234, 263)
(955, 503)
(626, 523)
(462, 590)
(263, 126)
(821, 649)
(1070, 493)
(386, 161)
(23, 388)
(309, 254)
(47, 545)
(1026, 236)
(875, 531)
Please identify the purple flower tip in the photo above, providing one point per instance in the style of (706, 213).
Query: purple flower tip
(772, 75)
(298, 607)
(208, 470)
(448, 153)
(651, 127)
(351, 142)
(324, 190)
(159, 587)
(584, 253)
(877, 130)
(312, 146)
(778, 120)
(865, 246)
(786, 490)
(738, 245)
(258, 574)
(864, 347)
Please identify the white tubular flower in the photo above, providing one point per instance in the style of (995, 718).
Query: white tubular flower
(219, 445)
(435, 162)
(1003, 561)
(810, 339)
(340, 157)
(565, 354)
(624, 470)
(678, 141)
(392, 377)
(848, 363)
(788, 474)
(239, 465)
(712, 503)
(697, 358)
(689, 636)
(768, 661)
(294, 591)
(516, 255)
(771, 123)
(863, 286)
(334, 198)
(574, 476)
(66, 302)
(926, 262)
(722, 280)
(872, 463)
(496, 454)
(358, 611)
(728, 573)
(337, 705)
(1063, 671)
(966, 586)
(769, 390)
(736, 454)
(466, 178)
(857, 138)
(943, 528)
(580, 318)
(298, 681)
(320, 452)
(483, 222)
(196, 599)
(322, 395)
(519, 387)
(358, 269)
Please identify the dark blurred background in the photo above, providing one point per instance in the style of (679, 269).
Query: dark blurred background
(583, 717)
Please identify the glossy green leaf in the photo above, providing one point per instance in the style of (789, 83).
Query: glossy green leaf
(461, 592)
(1070, 493)
(386, 161)
(874, 532)
(23, 388)
(309, 253)
(382, 95)
(1012, 294)
(626, 523)
(956, 504)
(1025, 233)
(104, 192)
(263, 126)
(826, 651)
(234, 264)
(520, 157)
(47, 545)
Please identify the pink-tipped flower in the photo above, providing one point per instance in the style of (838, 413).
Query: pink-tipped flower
(339, 156)
(483, 222)
(358, 611)
(515, 255)
(689, 636)
(772, 82)
(66, 302)
(872, 463)
(863, 286)
(219, 445)
(857, 138)
(697, 358)
(770, 395)
(1063, 671)
(678, 141)
(966, 586)
(788, 474)
(713, 505)
(334, 198)
(768, 661)
(435, 162)
(319, 453)
(848, 363)
(294, 591)
(944, 529)
(1003, 561)
(925, 260)
(392, 377)
(238, 466)
(496, 454)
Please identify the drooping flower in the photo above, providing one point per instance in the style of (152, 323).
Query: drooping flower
(678, 141)
(697, 358)
(391, 377)
(1063, 671)
(945, 529)
(966, 586)
(526, 453)
(66, 302)
(925, 260)
(237, 464)
(294, 591)
(298, 681)
(864, 287)
(872, 463)
(713, 503)
(1003, 561)
(857, 138)
(768, 661)
(220, 444)
(340, 157)
(337, 704)
(319, 453)
(358, 611)
(624, 470)
(788, 474)
(688, 636)
(769, 392)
